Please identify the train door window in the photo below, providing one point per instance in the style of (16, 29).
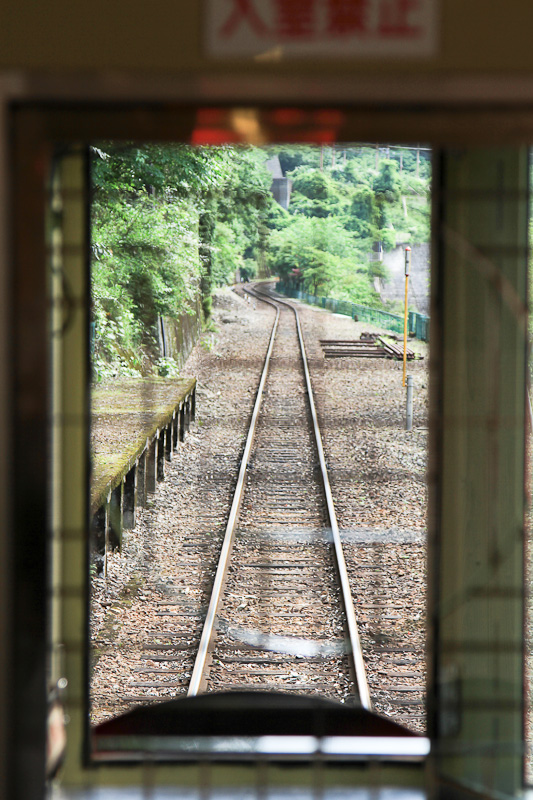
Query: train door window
(205, 260)
(478, 585)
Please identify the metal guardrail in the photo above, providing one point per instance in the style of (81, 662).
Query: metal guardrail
(418, 323)
(113, 509)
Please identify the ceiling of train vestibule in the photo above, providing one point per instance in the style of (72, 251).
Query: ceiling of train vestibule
(170, 36)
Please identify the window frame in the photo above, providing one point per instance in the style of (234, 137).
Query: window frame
(35, 128)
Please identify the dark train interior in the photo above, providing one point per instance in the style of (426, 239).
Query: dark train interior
(455, 707)
(466, 95)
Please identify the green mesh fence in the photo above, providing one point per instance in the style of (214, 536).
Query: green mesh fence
(418, 323)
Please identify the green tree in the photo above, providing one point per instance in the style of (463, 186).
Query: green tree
(363, 217)
(387, 182)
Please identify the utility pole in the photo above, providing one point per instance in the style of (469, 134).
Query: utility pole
(409, 404)
(407, 271)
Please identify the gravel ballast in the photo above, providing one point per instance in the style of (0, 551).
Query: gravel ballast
(377, 473)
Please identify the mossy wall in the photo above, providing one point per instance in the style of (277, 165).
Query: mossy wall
(180, 335)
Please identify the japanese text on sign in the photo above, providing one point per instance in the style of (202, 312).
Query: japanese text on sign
(330, 28)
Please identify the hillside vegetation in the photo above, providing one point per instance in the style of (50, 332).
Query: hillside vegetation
(172, 222)
(339, 212)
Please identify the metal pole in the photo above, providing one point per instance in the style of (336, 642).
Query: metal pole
(407, 270)
(409, 404)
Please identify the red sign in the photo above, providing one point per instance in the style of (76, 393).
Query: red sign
(324, 28)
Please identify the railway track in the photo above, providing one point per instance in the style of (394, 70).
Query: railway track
(281, 590)
(280, 619)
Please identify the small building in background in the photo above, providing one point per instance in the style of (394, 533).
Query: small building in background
(281, 187)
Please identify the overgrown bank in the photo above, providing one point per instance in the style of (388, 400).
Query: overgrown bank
(170, 223)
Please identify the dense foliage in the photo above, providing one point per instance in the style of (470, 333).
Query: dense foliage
(169, 223)
(344, 203)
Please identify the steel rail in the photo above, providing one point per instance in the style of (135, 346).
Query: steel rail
(347, 599)
(208, 631)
